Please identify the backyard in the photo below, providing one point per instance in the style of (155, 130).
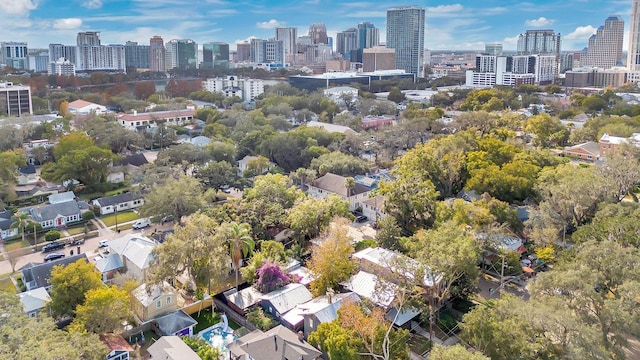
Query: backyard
(126, 216)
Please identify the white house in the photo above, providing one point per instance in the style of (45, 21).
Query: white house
(243, 164)
(372, 208)
(81, 107)
(339, 93)
(34, 301)
(6, 231)
(152, 119)
(121, 202)
(330, 184)
(56, 215)
(332, 128)
(136, 253)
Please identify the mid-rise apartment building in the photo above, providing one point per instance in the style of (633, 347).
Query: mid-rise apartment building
(246, 89)
(15, 100)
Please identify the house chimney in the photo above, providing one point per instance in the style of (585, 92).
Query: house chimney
(135, 112)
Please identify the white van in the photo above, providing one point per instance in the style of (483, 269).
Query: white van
(141, 223)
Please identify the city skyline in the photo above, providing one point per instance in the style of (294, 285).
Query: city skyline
(450, 25)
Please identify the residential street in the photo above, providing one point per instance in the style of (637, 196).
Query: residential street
(89, 247)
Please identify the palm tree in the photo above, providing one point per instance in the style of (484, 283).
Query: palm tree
(20, 220)
(240, 243)
(350, 184)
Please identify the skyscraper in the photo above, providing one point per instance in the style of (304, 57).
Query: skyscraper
(181, 54)
(136, 56)
(288, 36)
(243, 51)
(14, 54)
(405, 34)
(605, 46)
(215, 55)
(91, 38)
(318, 34)
(92, 56)
(156, 54)
(541, 42)
(368, 35)
(347, 41)
(633, 56)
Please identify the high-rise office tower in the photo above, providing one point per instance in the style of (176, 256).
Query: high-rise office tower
(215, 55)
(378, 58)
(243, 51)
(136, 56)
(493, 49)
(39, 60)
(605, 46)
(318, 34)
(288, 36)
(156, 54)
(267, 51)
(633, 56)
(14, 54)
(91, 38)
(67, 52)
(368, 35)
(405, 34)
(346, 41)
(539, 42)
(181, 54)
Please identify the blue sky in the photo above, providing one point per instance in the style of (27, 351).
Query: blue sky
(455, 24)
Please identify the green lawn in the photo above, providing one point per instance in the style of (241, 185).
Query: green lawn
(110, 220)
(75, 230)
(16, 245)
(205, 319)
(7, 285)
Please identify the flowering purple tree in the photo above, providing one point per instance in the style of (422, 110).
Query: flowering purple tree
(271, 277)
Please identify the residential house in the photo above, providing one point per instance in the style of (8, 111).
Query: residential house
(332, 128)
(27, 175)
(589, 151)
(37, 275)
(134, 161)
(243, 300)
(109, 266)
(317, 311)
(280, 301)
(56, 215)
(121, 202)
(246, 163)
(200, 141)
(155, 301)
(136, 253)
(6, 231)
(329, 184)
(608, 143)
(370, 286)
(277, 343)
(376, 122)
(61, 197)
(148, 120)
(37, 151)
(373, 208)
(176, 323)
(119, 348)
(35, 301)
(171, 348)
(342, 94)
(82, 107)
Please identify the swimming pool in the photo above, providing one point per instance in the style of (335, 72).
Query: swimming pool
(217, 337)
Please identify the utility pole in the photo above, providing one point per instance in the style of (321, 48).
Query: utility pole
(501, 276)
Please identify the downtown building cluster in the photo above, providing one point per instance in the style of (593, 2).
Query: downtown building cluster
(354, 49)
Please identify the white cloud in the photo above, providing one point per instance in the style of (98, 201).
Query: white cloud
(92, 4)
(581, 33)
(539, 22)
(18, 7)
(444, 9)
(67, 24)
(271, 24)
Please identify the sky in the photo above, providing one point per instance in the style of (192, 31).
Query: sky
(450, 25)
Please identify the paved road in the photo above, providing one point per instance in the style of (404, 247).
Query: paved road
(486, 283)
(89, 247)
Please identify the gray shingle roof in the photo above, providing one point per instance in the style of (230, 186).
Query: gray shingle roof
(288, 297)
(40, 273)
(50, 212)
(172, 323)
(116, 199)
(336, 184)
(61, 197)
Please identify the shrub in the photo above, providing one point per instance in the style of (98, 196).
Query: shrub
(261, 320)
(366, 243)
(88, 215)
(52, 235)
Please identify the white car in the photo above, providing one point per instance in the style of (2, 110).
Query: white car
(141, 224)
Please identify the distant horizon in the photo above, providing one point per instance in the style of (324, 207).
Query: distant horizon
(450, 26)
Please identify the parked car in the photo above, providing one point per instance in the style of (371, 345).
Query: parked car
(103, 243)
(141, 224)
(166, 219)
(76, 242)
(361, 218)
(54, 245)
(53, 256)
